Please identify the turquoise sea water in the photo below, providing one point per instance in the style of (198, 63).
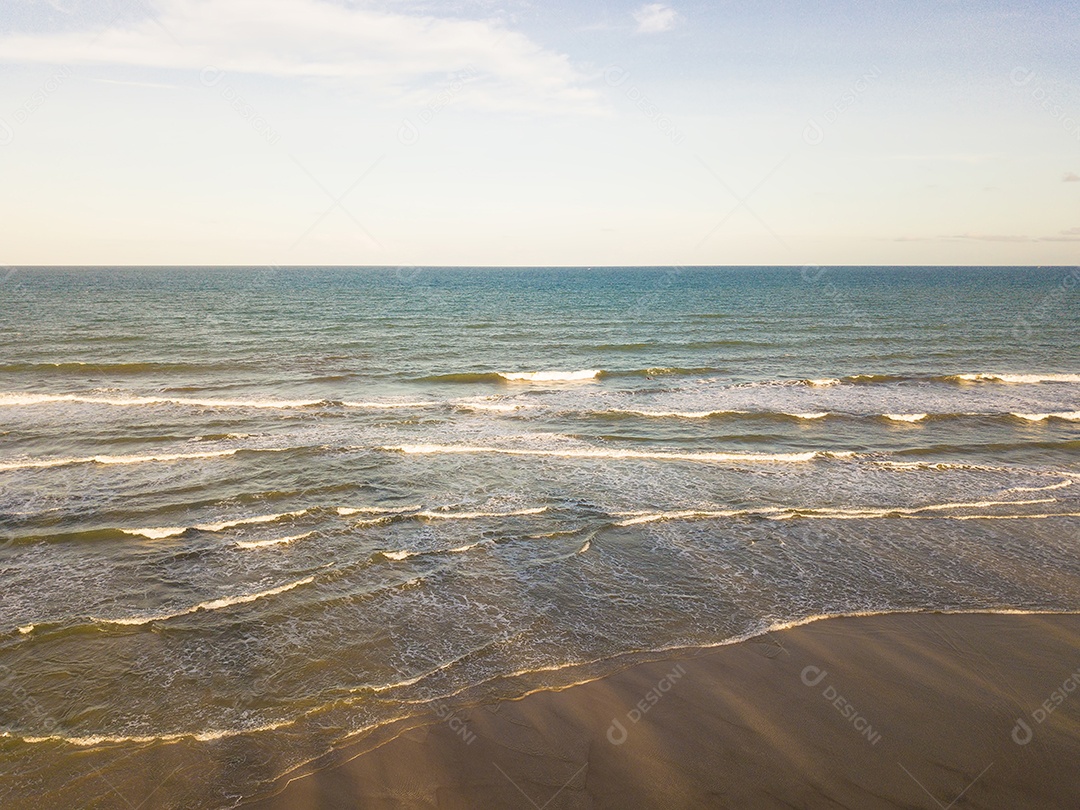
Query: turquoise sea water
(251, 510)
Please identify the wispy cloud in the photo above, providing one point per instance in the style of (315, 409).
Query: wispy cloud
(1071, 177)
(958, 158)
(990, 237)
(654, 18)
(383, 51)
(152, 85)
(1070, 235)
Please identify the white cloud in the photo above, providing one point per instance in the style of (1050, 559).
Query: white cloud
(654, 18)
(383, 51)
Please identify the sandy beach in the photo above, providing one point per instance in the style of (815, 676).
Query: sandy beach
(912, 710)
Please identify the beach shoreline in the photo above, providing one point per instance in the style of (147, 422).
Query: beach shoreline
(892, 710)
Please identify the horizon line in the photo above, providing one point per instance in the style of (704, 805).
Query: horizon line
(16, 267)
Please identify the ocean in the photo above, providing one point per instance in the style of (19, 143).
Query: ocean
(249, 515)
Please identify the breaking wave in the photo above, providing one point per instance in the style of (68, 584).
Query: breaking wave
(212, 604)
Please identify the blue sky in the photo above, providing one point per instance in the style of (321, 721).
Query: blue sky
(481, 132)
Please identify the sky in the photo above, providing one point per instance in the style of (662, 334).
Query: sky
(476, 132)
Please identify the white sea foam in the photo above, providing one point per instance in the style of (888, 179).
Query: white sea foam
(416, 678)
(26, 629)
(679, 414)
(1071, 416)
(373, 521)
(229, 524)
(278, 541)
(811, 415)
(895, 417)
(345, 511)
(404, 555)
(463, 549)
(497, 407)
(437, 515)
(391, 405)
(682, 514)
(1059, 485)
(213, 604)
(823, 383)
(834, 513)
(977, 505)
(63, 462)
(448, 449)
(208, 735)
(158, 533)
(910, 466)
(707, 414)
(13, 399)
(172, 531)
(1018, 379)
(1017, 517)
(550, 376)
(856, 513)
(385, 514)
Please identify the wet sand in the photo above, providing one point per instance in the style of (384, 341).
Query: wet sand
(913, 711)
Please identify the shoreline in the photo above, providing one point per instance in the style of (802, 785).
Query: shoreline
(897, 709)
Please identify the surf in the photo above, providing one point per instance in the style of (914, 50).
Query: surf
(208, 606)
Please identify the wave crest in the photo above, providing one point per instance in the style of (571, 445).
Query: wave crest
(551, 376)
(212, 604)
(460, 449)
(64, 462)
(173, 531)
